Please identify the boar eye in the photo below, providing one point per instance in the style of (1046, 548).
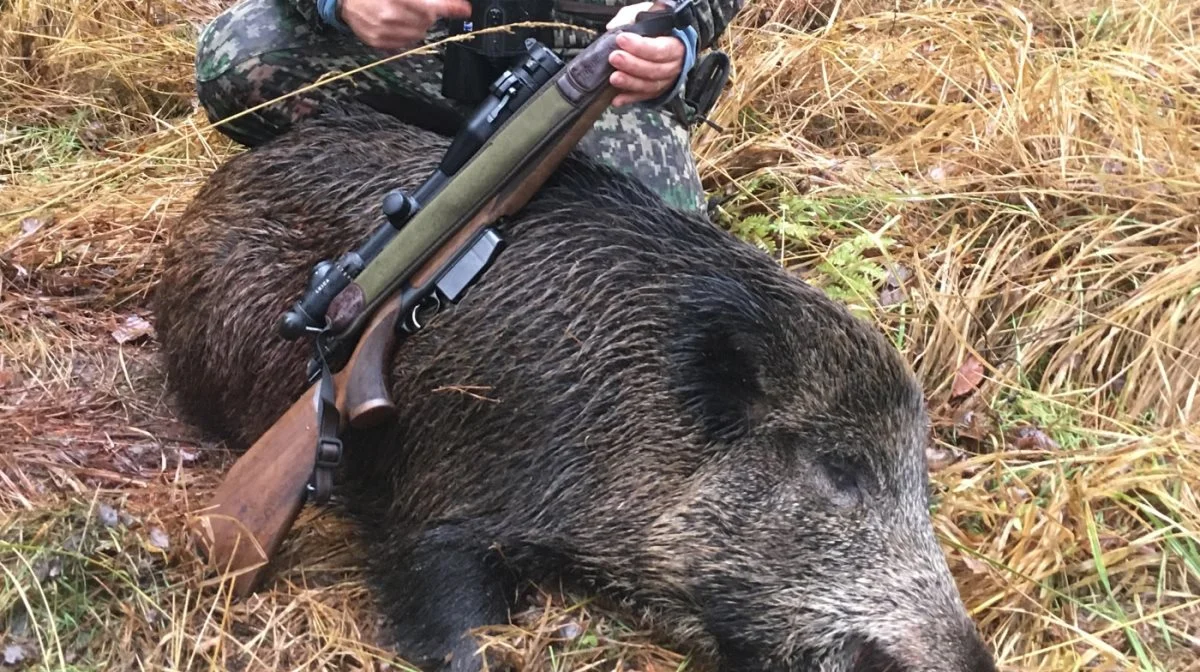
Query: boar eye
(841, 474)
(844, 480)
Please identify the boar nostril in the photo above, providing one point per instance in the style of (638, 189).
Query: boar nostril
(870, 657)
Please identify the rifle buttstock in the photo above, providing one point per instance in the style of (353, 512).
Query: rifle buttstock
(261, 496)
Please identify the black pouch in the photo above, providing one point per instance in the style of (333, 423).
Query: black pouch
(470, 66)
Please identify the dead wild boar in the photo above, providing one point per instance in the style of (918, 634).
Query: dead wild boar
(631, 399)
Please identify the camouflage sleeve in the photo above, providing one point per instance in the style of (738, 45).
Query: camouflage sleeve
(310, 10)
(306, 9)
(712, 17)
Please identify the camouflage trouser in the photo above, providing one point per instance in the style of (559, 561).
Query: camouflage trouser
(261, 49)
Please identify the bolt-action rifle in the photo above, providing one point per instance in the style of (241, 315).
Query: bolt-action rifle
(434, 244)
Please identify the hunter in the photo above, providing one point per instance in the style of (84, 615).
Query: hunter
(258, 50)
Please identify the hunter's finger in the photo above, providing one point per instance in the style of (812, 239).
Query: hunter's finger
(629, 84)
(628, 98)
(410, 39)
(425, 13)
(642, 68)
(382, 40)
(657, 49)
(431, 11)
(631, 98)
(397, 40)
(460, 9)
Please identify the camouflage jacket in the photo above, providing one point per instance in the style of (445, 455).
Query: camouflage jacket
(713, 17)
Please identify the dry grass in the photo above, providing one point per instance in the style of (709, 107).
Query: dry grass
(1010, 191)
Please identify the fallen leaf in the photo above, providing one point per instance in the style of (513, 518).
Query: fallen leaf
(976, 565)
(13, 654)
(93, 135)
(938, 458)
(30, 225)
(972, 423)
(570, 630)
(969, 375)
(108, 515)
(133, 328)
(896, 276)
(9, 378)
(159, 539)
(1028, 437)
(891, 297)
(41, 570)
(893, 286)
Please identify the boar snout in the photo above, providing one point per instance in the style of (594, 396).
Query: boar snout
(959, 651)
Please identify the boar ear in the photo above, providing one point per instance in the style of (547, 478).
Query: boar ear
(718, 355)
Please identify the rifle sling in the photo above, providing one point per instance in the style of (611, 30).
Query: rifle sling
(329, 446)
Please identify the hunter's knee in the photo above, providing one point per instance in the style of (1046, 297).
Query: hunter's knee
(236, 68)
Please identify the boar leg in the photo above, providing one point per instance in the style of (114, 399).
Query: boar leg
(445, 584)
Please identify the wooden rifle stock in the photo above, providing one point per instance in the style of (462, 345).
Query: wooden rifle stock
(263, 493)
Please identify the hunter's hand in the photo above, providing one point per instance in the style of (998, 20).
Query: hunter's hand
(647, 67)
(395, 25)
